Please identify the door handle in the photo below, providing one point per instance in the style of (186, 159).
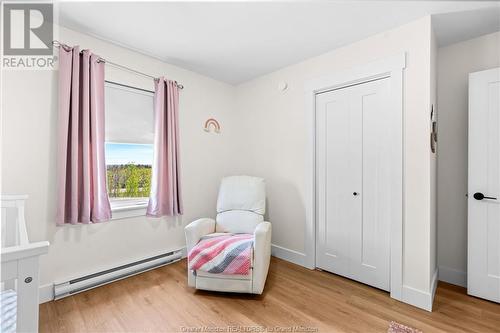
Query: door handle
(480, 196)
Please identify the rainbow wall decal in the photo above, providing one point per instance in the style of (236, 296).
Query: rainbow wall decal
(212, 123)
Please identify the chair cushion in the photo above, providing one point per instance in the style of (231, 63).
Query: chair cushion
(223, 254)
(237, 221)
(242, 193)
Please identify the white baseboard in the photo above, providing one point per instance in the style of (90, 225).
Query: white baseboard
(419, 298)
(453, 276)
(292, 256)
(416, 297)
(46, 293)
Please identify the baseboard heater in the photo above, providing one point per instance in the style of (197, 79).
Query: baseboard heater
(77, 285)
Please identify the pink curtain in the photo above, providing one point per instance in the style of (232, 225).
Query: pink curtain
(82, 195)
(165, 198)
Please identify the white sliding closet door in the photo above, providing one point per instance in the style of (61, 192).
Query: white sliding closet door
(354, 174)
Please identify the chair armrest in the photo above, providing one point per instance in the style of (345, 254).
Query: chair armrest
(197, 229)
(262, 255)
(262, 234)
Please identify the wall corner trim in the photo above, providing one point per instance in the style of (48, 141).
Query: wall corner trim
(420, 298)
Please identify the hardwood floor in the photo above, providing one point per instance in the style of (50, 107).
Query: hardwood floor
(160, 300)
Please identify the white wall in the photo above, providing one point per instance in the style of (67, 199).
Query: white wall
(275, 139)
(455, 62)
(28, 141)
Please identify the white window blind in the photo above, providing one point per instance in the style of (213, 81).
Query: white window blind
(129, 115)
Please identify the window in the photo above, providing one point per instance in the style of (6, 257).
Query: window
(129, 148)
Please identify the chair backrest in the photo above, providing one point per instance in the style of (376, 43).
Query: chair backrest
(12, 221)
(241, 204)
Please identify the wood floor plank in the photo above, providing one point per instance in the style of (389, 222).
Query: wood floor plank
(161, 301)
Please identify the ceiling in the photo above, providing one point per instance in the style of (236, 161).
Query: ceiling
(238, 41)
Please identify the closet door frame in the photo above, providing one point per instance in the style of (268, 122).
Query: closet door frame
(391, 67)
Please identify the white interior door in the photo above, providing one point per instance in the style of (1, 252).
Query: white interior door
(354, 180)
(483, 278)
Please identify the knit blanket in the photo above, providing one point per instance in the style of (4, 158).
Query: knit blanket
(222, 254)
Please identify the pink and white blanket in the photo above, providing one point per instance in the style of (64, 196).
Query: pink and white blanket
(222, 254)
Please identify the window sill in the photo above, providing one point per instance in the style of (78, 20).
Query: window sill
(128, 211)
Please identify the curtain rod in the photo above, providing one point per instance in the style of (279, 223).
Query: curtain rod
(58, 44)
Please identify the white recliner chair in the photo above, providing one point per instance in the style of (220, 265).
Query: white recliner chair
(240, 208)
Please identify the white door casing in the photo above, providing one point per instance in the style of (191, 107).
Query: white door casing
(391, 67)
(354, 179)
(483, 267)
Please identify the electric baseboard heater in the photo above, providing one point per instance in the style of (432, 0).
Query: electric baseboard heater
(86, 282)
